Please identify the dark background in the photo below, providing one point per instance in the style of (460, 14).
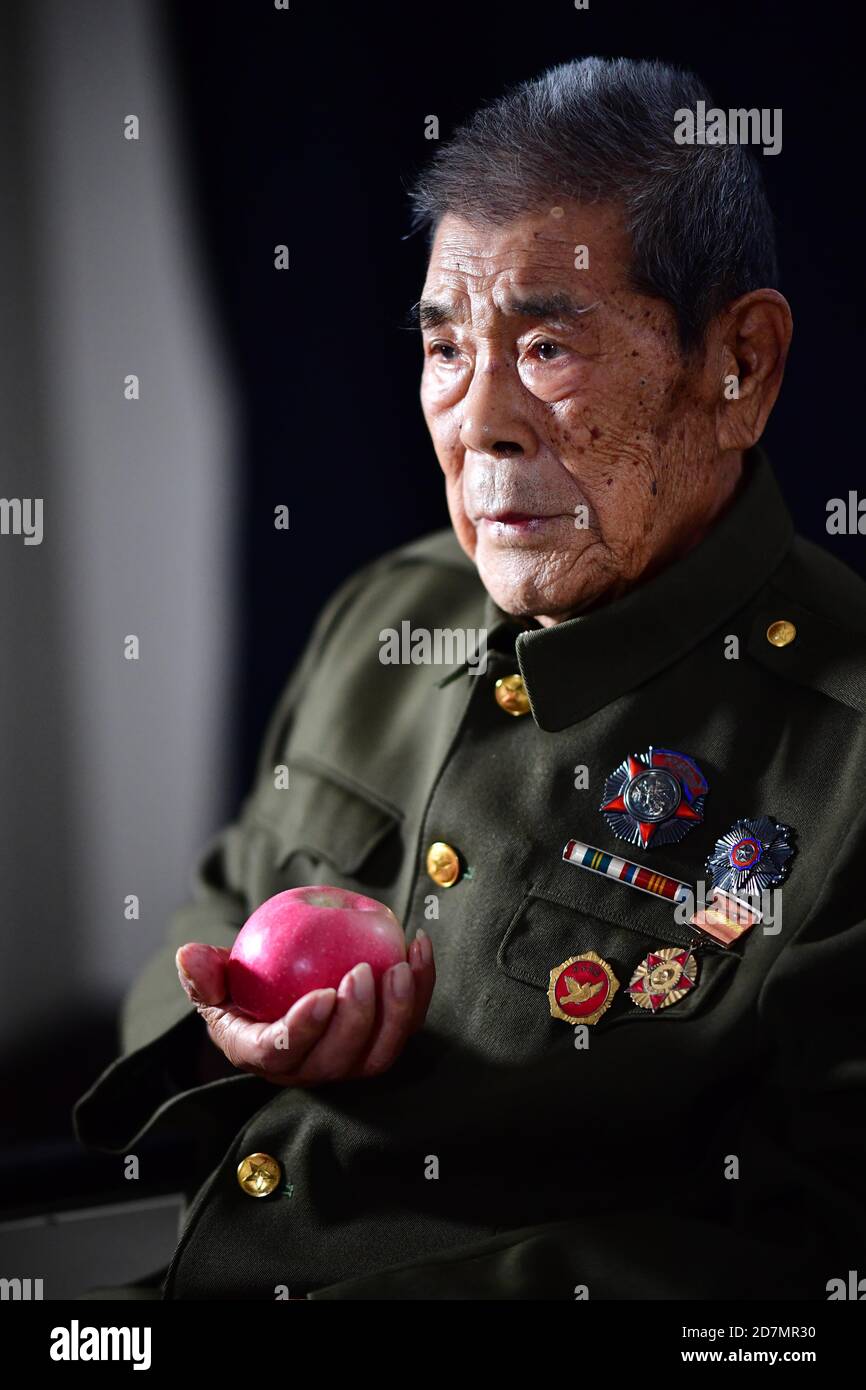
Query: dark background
(305, 128)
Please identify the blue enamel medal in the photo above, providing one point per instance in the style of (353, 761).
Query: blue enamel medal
(753, 855)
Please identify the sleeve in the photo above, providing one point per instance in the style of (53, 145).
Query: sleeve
(790, 1225)
(168, 1071)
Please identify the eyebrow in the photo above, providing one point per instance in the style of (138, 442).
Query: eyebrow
(557, 307)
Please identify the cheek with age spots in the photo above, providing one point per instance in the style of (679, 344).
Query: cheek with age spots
(616, 439)
(603, 454)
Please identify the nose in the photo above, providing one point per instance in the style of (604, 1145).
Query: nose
(494, 420)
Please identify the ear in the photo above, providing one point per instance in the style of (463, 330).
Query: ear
(753, 335)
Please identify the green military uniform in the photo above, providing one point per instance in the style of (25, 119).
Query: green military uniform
(607, 1167)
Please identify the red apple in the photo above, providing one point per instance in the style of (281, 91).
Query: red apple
(308, 938)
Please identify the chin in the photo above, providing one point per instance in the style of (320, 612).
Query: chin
(530, 601)
(530, 594)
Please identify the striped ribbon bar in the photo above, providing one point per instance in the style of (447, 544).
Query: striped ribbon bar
(635, 875)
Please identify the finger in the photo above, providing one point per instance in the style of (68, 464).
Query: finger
(424, 973)
(271, 1050)
(291, 1038)
(398, 1000)
(349, 1031)
(202, 972)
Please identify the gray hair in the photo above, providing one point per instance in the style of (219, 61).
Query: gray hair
(602, 130)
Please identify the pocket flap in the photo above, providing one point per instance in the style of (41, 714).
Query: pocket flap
(325, 815)
(592, 895)
(547, 930)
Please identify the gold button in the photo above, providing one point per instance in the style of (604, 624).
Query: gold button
(258, 1174)
(443, 864)
(781, 633)
(511, 695)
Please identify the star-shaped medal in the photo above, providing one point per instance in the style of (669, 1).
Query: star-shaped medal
(753, 855)
(654, 798)
(663, 978)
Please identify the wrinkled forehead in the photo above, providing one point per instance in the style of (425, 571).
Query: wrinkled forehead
(548, 264)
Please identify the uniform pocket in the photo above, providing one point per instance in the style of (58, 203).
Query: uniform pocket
(549, 927)
(324, 815)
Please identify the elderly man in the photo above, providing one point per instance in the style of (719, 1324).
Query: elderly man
(608, 1093)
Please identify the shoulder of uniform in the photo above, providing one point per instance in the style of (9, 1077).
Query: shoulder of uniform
(439, 548)
(809, 625)
(432, 569)
(431, 564)
(437, 551)
(824, 584)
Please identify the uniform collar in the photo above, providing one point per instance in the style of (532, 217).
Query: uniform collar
(577, 667)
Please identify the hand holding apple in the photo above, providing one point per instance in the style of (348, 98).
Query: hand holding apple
(305, 939)
(335, 1026)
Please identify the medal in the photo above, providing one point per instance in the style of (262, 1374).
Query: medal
(753, 855)
(598, 861)
(654, 798)
(581, 989)
(663, 978)
(725, 918)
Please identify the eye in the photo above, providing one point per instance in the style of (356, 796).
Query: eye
(547, 351)
(446, 352)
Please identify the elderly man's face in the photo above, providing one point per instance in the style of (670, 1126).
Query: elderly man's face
(579, 448)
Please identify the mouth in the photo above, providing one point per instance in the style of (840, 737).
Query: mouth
(518, 523)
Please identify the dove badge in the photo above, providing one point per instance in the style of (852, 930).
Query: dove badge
(581, 988)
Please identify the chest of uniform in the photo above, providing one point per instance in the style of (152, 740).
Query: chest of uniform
(454, 807)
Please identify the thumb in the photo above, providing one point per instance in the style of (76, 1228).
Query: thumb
(201, 970)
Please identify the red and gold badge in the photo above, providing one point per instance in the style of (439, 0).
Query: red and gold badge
(663, 978)
(581, 988)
